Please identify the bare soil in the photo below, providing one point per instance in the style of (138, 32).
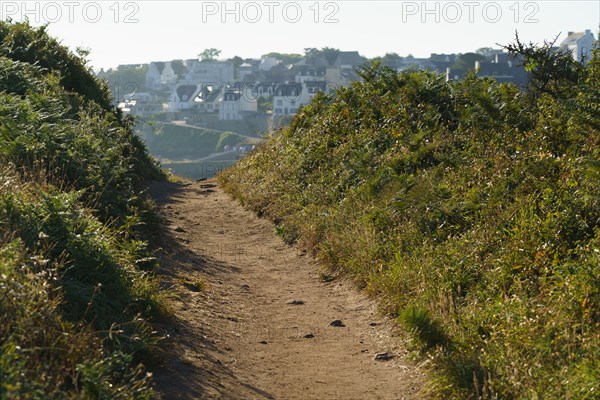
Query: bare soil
(253, 316)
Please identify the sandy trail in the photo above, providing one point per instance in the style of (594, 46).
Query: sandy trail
(253, 315)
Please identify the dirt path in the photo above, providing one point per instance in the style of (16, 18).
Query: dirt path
(253, 316)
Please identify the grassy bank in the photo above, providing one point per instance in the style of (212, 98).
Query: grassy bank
(181, 142)
(76, 278)
(471, 208)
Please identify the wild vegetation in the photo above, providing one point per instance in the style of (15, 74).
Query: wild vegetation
(76, 285)
(126, 80)
(471, 208)
(176, 142)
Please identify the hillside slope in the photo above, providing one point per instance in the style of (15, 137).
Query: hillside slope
(471, 208)
(75, 276)
(179, 142)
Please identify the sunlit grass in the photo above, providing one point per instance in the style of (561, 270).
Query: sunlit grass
(470, 208)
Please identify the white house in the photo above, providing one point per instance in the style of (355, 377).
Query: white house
(338, 77)
(245, 70)
(184, 97)
(209, 72)
(208, 99)
(264, 90)
(305, 73)
(160, 73)
(314, 87)
(288, 97)
(153, 75)
(579, 44)
(235, 102)
(267, 63)
(229, 107)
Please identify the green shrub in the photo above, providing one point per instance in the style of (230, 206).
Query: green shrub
(471, 208)
(77, 290)
(21, 42)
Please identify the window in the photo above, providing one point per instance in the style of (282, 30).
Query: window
(279, 102)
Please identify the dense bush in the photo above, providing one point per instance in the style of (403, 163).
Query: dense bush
(21, 42)
(472, 208)
(75, 275)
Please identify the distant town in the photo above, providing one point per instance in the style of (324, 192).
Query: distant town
(249, 96)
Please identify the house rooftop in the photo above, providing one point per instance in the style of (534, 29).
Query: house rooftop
(574, 37)
(208, 94)
(185, 91)
(160, 65)
(307, 70)
(288, 89)
(349, 58)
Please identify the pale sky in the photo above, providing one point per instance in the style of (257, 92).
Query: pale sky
(128, 32)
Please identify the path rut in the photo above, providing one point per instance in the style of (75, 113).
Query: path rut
(253, 316)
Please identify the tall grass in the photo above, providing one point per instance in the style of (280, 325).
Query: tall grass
(470, 208)
(75, 272)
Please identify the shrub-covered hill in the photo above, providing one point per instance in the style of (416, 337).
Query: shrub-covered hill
(76, 285)
(177, 142)
(471, 208)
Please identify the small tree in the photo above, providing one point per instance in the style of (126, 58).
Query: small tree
(484, 51)
(328, 53)
(551, 70)
(311, 54)
(286, 58)
(236, 61)
(179, 68)
(209, 54)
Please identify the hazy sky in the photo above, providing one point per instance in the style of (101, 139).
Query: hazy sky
(125, 32)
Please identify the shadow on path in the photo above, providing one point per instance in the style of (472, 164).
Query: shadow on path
(195, 366)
